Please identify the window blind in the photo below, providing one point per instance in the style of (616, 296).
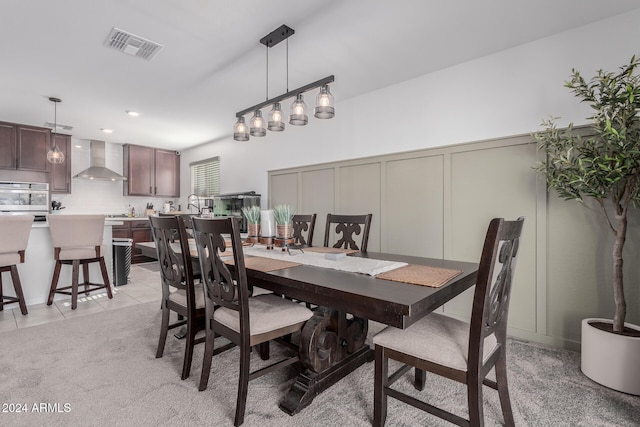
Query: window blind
(205, 177)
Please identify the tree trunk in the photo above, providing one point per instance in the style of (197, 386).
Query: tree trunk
(618, 286)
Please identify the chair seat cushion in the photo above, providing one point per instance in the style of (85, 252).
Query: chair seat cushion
(11, 258)
(435, 338)
(87, 252)
(267, 313)
(180, 296)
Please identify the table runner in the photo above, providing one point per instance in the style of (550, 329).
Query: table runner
(264, 264)
(350, 264)
(420, 275)
(324, 250)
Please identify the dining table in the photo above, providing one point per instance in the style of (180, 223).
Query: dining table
(332, 343)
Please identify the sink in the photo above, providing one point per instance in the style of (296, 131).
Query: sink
(116, 216)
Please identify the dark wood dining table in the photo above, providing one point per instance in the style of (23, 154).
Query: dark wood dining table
(332, 342)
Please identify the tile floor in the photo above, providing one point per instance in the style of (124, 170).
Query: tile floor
(143, 286)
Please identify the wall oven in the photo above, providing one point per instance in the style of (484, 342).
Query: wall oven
(20, 198)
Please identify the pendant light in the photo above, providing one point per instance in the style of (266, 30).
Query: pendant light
(324, 108)
(298, 116)
(240, 131)
(275, 124)
(257, 125)
(324, 104)
(54, 155)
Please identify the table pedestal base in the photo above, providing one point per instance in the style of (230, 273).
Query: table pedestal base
(331, 347)
(309, 384)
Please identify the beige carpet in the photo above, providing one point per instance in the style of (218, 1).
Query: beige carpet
(100, 370)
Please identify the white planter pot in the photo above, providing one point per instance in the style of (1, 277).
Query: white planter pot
(612, 360)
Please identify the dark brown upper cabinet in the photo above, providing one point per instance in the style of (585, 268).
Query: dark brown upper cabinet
(60, 175)
(24, 147)
(151, 172)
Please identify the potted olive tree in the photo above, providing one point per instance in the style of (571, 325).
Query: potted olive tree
(603, 165)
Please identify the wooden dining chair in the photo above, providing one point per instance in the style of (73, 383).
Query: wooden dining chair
(15, 230)
(463, 352)
(77, 241)
(348, 226)
(245, 321)
(180, 294)
(303, 224)
(188, 225)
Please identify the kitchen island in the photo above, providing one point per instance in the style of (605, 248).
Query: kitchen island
(37, 270)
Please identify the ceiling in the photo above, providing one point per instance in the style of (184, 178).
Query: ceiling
(212, 64)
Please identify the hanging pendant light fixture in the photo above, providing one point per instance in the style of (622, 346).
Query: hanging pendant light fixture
(298, 116)
(324, 108)
(240, 130)
(54, 155)
(275, 124)
(324, 104)
(257, 125)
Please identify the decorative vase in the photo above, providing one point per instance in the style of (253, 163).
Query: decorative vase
(610, 359)
(253, 230)
(284, 231)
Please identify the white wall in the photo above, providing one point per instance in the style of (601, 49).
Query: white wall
(504, 94)
(99, 197)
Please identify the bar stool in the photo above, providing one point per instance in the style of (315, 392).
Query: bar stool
(76, 240)
(14, 230)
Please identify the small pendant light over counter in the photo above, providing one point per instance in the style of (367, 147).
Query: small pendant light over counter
(324, 108)
(54, 155)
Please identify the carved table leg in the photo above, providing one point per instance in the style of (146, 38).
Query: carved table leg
(331, 347)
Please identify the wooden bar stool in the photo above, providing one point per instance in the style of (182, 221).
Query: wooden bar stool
(14, 230)
(76, 240)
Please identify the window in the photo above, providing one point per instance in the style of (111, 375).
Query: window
(205, 177)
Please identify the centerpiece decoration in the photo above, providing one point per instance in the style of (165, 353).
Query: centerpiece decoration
(252, 214)
(603, 165)
(283, 215)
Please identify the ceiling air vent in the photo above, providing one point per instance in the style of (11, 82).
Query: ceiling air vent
(131, 44)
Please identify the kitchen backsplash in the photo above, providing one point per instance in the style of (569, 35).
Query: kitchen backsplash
(100, 197)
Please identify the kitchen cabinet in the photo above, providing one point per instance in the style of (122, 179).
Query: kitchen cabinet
(24, 147)
(151, 172)
(60, 175)
(140, 231)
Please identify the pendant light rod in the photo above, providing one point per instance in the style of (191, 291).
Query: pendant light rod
(290, 94)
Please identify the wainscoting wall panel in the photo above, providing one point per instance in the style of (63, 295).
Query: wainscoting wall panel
(437, 203)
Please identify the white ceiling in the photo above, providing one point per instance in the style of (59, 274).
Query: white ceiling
(212, 64)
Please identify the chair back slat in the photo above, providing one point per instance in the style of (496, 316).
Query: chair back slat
(303, 224)
(224, 286)
(493, 286)
(348, 226)
(173, 255)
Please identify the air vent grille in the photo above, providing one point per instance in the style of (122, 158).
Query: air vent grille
(132, 44)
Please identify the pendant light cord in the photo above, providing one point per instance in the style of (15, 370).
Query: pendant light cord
(287, 65)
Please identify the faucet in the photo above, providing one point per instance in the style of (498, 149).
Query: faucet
(189, 204)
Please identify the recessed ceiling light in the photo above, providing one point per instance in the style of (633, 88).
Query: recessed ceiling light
(133, 113)
(106, 130)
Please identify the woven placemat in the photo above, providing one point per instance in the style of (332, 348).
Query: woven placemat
(264, 264)
(420, 275)
(324, 250)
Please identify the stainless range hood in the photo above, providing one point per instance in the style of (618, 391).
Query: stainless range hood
(97, 169)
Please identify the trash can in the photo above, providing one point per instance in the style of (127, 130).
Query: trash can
(121, 260)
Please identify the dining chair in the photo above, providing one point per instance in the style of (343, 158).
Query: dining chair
(461, 351)
(230, 311)
(188, 225)
(302, 224)
(76, 241)
(179, 292)
(348, 226)
(15, 230)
